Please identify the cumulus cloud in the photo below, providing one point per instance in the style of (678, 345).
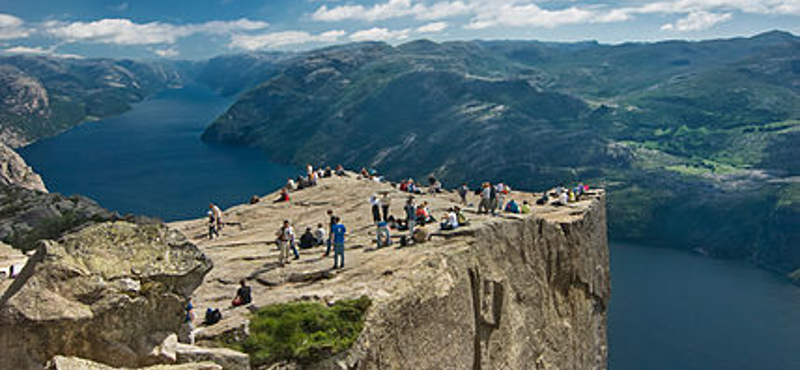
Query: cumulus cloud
(697, 21)
(532, 15)
(392, 9)
(36, 50)
(12, 27)
(122, 31)
(432, 27)
(380, 34)
(285, 38)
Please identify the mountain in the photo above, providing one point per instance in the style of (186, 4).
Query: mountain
(695, 140)
(43, 96)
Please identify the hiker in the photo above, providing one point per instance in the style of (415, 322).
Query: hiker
(572, 197)
(563, 199)
(411, 215)
(436, 187)
(290, 184)
(217, 214)
(283, 197)
(463, 190)
(286, 241)
(254, 199)
(486, 198)
(526, 208)
(319, 235)
(309, 170)
(340, 171)
(383, 236)
(512, 207)
(376, 208)
(331, 223)
(364, 173)
(187, 329)
(328, 172)
(338, 232)
(423, 216)
(213, 316)
(543, 200)
(212, 225)
(385, 202)
(462, 220)
(501, 190)
(450, 221)
(243, 294)
(307, 240)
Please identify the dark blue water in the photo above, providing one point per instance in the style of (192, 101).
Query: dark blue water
(151, 161)
(669, 310)
(675, 310)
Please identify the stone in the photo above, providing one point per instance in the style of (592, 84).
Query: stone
(14, 171)
(110, 292)
(227, 358)
(73, 363)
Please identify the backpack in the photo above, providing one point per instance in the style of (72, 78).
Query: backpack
(213, 316)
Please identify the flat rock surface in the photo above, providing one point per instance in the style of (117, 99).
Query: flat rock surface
(246, 248)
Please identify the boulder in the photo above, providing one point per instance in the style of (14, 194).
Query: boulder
(110, 292)
(14, 171)
(227, 358)
(72, 363)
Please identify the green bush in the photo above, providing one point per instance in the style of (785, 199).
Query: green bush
(304, 331)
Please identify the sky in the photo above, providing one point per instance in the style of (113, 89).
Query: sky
(197, 29)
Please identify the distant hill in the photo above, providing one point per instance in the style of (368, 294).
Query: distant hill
(697, 141)
(43, 96)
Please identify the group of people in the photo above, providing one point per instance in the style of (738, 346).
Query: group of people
(564, 195)
(492, 197)
(308, 180)
(334, 239)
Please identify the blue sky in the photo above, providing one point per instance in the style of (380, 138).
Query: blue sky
(191, 29)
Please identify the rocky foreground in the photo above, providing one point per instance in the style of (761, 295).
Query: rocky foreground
(506, 292)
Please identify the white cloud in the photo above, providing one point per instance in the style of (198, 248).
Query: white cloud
(432, 27)
(126, 32)
(285, 38)
(12, 27)
(697, 21)
(36, 50)
(529, 15)
(392, 9)
(166, 53)
(380, 34)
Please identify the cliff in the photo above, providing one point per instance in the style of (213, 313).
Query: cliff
(506, 292)
(14, 171)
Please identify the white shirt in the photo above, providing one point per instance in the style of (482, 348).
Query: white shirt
(452, 219)
(320, 234)
(564, 198)
(288, 233)
(487, 193)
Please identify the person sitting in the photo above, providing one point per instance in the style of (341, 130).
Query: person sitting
(213, 316)
(462, 220)
(254, 199)
(512, 207)
(526, 208)
(423, 216)
(436, 187)
(340, 171)
(563, 199)
(383, 237)
(243, 294)
(451, 220)
(364, 173)
(543, 200)
(284, 197)
(328, 172)
(320, 235)
(307, 240)
(290, 184)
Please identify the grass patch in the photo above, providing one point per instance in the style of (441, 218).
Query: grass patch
(304, 332)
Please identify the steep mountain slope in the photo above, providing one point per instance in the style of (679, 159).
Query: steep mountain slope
(43, 96)
(695, 140)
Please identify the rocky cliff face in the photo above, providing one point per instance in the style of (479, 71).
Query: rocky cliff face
(506, 292)
(14, 171)
(111, 292)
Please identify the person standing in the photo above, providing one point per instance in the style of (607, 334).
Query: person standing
(486, 198)
(331, 223)
(338, 232)
(463, 190)
(385, 202)
(376, 208)
(411, 215)
(285, 241)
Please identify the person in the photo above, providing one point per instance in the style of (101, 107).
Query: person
(319, 235)
(243, 294)
(338, 232)
(364, 173)
(328, 172)
(383, 236)
(486, 198)
(254, 199)
(423, 216)
(572, 196)
(463, 190)
(309, 170)
(332, 222)
(376, 208)
(436, 187)
(285, 242)
(543, 200)
(290, 184)
(450, 221)
(502, 191)
(526, 208)
(307, 240)
(512, 207)
(217, 216)
(187, 328)
(212, 225)
(385, 203)
(340, 171)
(563, 199)
(284, 197)
(213, 316)
(493, 203)
(411, 215)
(462, 220)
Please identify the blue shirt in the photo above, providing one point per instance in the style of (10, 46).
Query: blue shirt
(338, 232)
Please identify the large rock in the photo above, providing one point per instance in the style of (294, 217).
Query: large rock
(227, 358)
(111, 292)
(72, 363)
(14, 171)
